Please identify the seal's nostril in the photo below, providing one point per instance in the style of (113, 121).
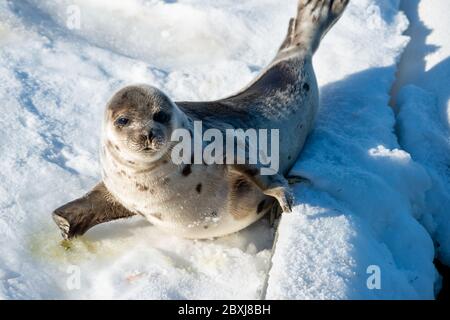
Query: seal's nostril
(147, 135)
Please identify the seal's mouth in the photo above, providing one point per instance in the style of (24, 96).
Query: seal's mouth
(148, 149)
(146, 145)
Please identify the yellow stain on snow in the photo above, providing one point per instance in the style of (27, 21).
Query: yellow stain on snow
(47, 246)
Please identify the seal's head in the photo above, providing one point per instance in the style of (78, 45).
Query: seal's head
(138, 123)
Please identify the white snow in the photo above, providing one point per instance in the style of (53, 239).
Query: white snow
(361, 209)
(54, 86)
(424, 112)
(366, 194)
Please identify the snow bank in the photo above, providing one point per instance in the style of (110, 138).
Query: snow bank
(424, 112)
(362, 206)
(424, 134)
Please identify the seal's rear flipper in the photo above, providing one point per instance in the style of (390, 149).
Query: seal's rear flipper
(314, 19)
(78, 216)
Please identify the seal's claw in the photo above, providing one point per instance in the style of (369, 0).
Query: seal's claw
(62, 224)
(284, 197)
(287, 207)
(275, 213)
(73, 219)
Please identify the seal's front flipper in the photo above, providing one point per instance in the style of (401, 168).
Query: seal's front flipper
(73, 218)
(78, 216)
(275, 185)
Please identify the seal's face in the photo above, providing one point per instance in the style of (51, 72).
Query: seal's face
(139, 122)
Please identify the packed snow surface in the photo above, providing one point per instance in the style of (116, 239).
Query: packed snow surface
(374, 202)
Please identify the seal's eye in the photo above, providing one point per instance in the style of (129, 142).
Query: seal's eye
(122, 121)
(161, 117)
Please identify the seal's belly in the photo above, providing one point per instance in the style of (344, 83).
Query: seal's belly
(192, 201)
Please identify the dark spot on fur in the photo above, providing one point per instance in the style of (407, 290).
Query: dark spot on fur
(214, 214)
(161, 117)
(241, 186)
(261, 206)
(306, 86)
(117, 147)
(165, 161)
(199, 188)
(157, 216)
(186, 170)
(205, 227)
(131, 162)
(141, 187)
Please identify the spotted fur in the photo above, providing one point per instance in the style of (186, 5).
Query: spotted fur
(229, 197)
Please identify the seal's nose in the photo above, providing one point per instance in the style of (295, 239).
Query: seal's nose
(148, 135)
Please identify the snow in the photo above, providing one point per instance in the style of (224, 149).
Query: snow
(361, 209)
(424, 113)
(55, 83)
(372, 199)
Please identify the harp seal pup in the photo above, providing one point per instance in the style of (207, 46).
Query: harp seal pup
(205, 200)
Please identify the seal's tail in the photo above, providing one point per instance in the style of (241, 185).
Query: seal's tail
(314, 19)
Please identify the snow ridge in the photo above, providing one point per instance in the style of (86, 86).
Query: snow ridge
(423, 119)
